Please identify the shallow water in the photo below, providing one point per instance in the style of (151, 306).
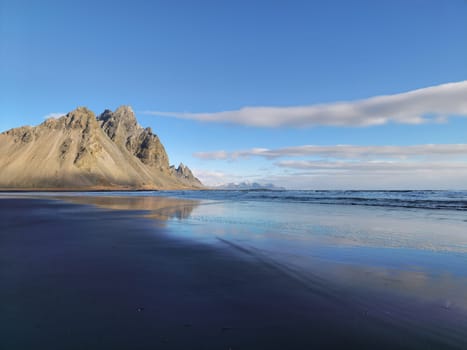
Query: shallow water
(418, 252)
(404, 266)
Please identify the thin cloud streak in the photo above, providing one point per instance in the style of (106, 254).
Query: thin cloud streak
(435, 103)
(435, 179)
(372, 167)
(371, 175)
(344, 152)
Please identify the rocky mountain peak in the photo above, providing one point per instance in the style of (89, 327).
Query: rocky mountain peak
(122, 128)
(80, 118)
(184, 173)
(125, 115)
(183, 169)
(119, 125)
(79, 150)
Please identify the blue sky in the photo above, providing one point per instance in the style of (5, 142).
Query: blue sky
(192, 57)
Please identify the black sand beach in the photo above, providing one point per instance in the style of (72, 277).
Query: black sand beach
(74, 276)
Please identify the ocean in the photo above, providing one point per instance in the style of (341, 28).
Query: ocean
(427, 199)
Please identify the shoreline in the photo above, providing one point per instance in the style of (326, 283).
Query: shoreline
(97, 189)
(75, 276)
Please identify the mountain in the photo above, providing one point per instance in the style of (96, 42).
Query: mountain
(80, 151)
(249, 186)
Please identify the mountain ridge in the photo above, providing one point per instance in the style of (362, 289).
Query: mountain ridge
(82, 151)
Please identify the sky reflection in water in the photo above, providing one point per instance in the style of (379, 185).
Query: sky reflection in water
(421, 254)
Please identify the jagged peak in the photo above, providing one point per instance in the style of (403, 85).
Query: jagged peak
(81, 143)
(183, 172)
(81, 117)
(81, 112)
(105, 115)
(82, 109)
(126, 114)
(122, 115)
(148, 130)
(120, 122)
(124, 109)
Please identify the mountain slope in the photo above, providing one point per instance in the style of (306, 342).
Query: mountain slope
(79, 151)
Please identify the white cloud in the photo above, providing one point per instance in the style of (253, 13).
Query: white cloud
(214, 178)
(370, 175)
(380, 167)
(54, 115)
(360, 167)
(213, 155)
(434, 103)
(430, 151)
(436, 178)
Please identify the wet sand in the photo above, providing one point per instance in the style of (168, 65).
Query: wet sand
(75, 276)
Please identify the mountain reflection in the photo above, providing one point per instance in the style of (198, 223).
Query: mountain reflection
(160, 208)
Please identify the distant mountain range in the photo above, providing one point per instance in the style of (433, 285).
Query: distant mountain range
(80, 151)
(248, 186)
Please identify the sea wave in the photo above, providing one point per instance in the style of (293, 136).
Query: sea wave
(440, 200)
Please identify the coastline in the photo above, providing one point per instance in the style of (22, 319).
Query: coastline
(98, 189)
(79, 276)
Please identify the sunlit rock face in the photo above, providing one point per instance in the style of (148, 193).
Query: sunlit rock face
(184, 174)
(121, 126)
(82, 151)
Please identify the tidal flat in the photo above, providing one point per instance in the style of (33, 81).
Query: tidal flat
(171, 271)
